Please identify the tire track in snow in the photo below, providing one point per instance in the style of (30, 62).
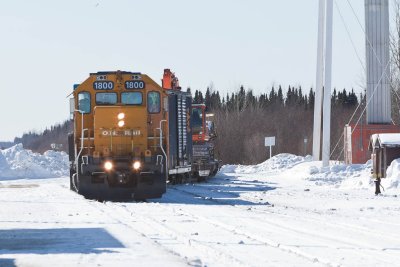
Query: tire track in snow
(164, 235)
(126, 216)
(265, 241)
(345, 226)
(362, 252)
(229, 230)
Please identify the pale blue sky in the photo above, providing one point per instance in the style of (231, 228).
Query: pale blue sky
(46, 46)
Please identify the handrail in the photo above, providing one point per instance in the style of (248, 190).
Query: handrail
(77, 156)
(162, 148)
(82, 137)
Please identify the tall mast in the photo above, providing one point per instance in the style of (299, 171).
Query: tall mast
(319, 83)
(326, 138)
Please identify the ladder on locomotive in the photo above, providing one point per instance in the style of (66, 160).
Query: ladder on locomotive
(88, 142)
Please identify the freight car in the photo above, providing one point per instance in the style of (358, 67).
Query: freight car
(130, 135)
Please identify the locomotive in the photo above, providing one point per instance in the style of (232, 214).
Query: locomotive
(130, 135)
(203, 132)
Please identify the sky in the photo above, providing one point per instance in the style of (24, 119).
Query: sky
(46, 46)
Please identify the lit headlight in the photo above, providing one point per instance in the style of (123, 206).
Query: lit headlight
(121, 116)
(137, 165)
(108, 165)
(121, 124)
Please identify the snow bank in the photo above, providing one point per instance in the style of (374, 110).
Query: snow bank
(17, 162)
(341, 175)
(392, 180)
(296, 168)
(278, 162)
(355, 176)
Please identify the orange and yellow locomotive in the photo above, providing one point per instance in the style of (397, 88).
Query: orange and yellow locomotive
(130, 135)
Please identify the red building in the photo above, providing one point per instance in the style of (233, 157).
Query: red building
(360, 138)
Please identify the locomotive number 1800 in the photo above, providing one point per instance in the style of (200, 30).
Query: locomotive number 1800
(103, 85)
(134, 85)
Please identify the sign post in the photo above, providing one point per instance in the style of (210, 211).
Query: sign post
(270, 141)
(305, 145)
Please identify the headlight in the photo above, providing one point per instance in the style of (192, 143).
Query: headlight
(137, 165)
(108, 165)
(121, 116)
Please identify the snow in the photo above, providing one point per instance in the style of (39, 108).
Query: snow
(17, 162)
(392, 181)
(286, 211)
(388, 139)
(281, 161)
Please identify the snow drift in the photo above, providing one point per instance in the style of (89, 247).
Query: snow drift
(17, 162)
(357, 176)
(278, 162)
(392, 180)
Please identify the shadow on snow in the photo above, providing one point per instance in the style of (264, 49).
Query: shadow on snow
(7, 263)
(54, 241)
(221, 190)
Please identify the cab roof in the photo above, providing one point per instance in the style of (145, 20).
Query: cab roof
(114, 72)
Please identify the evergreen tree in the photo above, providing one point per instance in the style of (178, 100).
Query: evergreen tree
(208, 99)
(280, 96)
(273, 96)
(311, 99)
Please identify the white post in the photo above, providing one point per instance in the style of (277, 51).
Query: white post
(326, 138)
(270, 151)
(319, 82)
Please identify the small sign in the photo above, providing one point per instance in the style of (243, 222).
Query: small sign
(55, 146)
(270, 141)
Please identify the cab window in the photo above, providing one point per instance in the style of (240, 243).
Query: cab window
(197, 120)
(131, 98)
(84, 102)
(153, 102)
(106, 98)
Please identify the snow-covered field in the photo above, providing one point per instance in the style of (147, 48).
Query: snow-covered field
(287, 211)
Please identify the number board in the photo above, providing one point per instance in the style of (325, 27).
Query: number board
(134, 85)
(103, 85)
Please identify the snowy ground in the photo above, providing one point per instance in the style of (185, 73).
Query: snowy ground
(287, 211)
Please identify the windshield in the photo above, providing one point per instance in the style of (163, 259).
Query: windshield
(131, 98)
(197, 120)
(106, 98)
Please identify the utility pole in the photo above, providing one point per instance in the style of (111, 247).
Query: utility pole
(323, 83)
(326, 137)
(319, 83)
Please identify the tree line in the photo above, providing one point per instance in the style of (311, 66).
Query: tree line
(243, 120)
(41, 141)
